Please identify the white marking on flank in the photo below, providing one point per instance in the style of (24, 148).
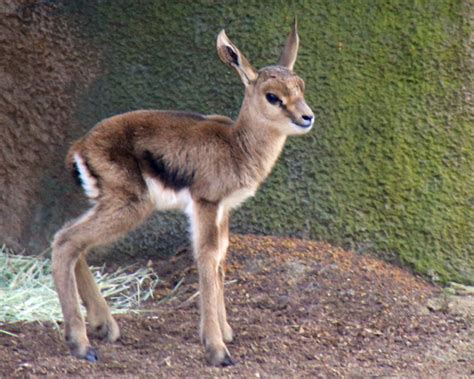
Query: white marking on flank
(89, 183)
(164, 198)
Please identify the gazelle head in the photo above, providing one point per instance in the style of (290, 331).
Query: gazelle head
(274, 95)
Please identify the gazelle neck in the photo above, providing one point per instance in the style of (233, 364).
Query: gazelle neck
(258, 144)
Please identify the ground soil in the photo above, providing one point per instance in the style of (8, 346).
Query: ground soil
(299, 309)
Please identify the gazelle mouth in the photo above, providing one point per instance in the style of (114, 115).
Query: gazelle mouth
(305, 125)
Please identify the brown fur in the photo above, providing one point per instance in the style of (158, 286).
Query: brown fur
(138, 161)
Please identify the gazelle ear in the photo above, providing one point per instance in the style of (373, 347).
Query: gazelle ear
(290, 51)
(230, 55)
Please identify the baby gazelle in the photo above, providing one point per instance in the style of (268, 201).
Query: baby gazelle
(132, 164)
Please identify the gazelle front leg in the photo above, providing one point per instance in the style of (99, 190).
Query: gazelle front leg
(227, 333)
(207, 255)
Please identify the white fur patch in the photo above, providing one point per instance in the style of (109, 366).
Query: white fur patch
(89, 183)
(193, 224)
(195, 237)
(165, 198)
(232, 201)
(298, 129)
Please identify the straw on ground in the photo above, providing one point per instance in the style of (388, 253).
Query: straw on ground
(27, 290)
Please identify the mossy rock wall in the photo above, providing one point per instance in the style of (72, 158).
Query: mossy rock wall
(388, 168)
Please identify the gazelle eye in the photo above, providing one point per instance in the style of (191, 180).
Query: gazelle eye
(273, 99)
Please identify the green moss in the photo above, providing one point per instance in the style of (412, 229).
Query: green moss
(388, 168)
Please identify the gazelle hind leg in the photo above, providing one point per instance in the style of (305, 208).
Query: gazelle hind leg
(65, 253)
(103, 224)
(98, 313)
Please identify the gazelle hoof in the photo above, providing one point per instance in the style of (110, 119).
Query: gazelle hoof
(228, 361)
(218, 357)
(91, 355)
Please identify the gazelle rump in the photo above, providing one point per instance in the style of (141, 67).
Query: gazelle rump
(132, 164)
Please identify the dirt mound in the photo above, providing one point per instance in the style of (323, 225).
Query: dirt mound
(299, 308)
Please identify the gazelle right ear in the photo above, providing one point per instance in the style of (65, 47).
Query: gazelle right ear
(231, 56)
(290, 51)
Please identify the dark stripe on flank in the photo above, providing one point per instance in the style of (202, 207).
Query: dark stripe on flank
(171, 178)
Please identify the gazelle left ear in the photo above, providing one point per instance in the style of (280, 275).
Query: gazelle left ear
(230, 55)
(290, 51)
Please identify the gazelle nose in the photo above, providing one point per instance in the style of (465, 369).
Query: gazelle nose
(308, 119)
